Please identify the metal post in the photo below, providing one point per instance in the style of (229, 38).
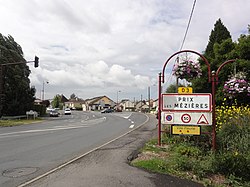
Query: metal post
(117, 99)
(1, 89)
(159, 111)
(43, 92)
(213, 111)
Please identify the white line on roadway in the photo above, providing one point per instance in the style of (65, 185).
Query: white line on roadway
(79, 157)
(41, 130)
(131, 126)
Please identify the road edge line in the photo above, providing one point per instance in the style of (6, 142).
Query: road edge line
(79, 157)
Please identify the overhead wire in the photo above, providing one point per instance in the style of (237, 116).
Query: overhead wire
(185, 35)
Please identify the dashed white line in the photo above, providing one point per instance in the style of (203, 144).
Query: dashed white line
(131, 126)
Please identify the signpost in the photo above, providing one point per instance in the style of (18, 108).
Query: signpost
(185, 108)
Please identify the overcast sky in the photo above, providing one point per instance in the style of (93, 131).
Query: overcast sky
(99, 47)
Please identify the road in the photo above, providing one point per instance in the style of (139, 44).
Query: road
(28, 151)
(108, 166)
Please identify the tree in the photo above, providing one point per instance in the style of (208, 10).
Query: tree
(216, 53)
(218, 35)
(223, 50)
(172, 88)
(56, 101)
(19, 96)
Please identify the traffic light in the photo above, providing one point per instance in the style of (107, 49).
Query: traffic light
(36, 62)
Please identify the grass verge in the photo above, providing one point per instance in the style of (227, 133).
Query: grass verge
(11, 123)
(188, 161)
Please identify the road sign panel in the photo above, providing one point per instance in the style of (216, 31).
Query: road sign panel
(185, 90)
(187, 102)
(168, 118)
(186, 130)
(183, 118)
(203, 120)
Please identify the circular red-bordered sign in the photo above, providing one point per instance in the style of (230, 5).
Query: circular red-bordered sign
(185, 118)
(169, 118)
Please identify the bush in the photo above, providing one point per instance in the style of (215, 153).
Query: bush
(231, 164)
(233, 130)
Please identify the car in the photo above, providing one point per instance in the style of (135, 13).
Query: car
(53, 113)
(67, 111)
(107, 110)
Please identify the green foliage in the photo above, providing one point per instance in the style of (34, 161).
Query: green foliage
(191, 156)
(56, 101)
(41, 109)
(155, 165)
(19, 94)
(233, 128)
(229, 163)
(218, 34)
(221, 48)
(173, 88)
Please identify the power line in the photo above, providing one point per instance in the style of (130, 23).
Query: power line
(185, 35)
(189, 21)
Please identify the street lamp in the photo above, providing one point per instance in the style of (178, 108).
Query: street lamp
(117, 99)
(47, 82)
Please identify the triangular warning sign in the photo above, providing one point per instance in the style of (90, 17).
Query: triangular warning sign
(203, 120)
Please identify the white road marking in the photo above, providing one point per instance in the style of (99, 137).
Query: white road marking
(131, 126)
(132, 122)
(41, 130)
(79, 157)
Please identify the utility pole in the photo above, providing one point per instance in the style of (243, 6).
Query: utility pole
(149, 99)
(141, 102)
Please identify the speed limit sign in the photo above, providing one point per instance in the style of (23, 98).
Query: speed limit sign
(185, 118)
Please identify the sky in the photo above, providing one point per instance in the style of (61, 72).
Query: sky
(111, 47)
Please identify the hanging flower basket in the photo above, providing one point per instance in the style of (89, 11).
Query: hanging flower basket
(237, 85)
(187, 69)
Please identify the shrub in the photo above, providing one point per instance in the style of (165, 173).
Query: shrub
(229, 163)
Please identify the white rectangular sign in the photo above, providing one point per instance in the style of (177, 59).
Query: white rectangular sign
(187, 102)
(184, 118)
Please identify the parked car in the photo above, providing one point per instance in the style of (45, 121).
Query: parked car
(107, 110)
(67, 111)
(53, 113)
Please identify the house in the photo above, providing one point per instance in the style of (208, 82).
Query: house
(127, 105)
(75, 103)
(99, 103)
(138, 106)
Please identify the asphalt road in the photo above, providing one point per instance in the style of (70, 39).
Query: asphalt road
(29, 151)
(108, 166)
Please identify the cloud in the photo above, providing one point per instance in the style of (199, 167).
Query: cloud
(97, 47)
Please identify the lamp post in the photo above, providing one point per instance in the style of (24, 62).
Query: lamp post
(47, 82)
(117, 99)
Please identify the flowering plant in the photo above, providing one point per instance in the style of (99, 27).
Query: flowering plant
(187, 69)
(237, 84)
